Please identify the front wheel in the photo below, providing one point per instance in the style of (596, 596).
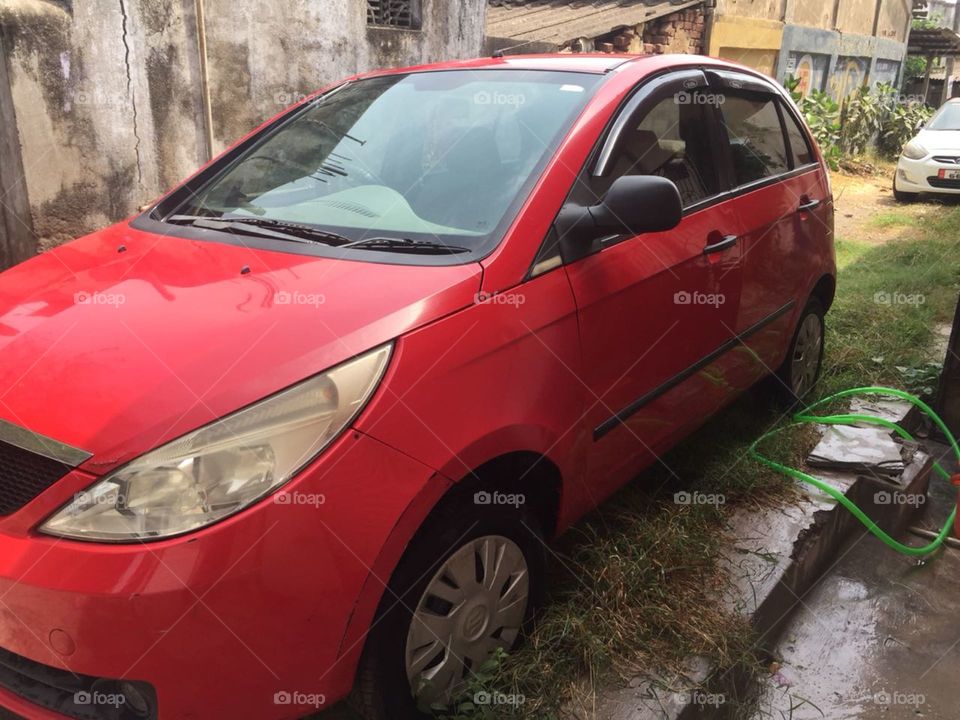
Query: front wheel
(466, 586)
(801, 369)
(903, 197)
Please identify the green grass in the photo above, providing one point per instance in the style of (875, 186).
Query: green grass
(636, 580)
(891, 218)
(889, 300)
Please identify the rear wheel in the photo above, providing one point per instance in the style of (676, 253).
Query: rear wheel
(801, 369)
(466, 586)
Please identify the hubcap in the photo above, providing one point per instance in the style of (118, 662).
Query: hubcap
(806, 355)
(474, 604)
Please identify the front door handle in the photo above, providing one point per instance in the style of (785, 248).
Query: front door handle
(728, 241)
(806, 204)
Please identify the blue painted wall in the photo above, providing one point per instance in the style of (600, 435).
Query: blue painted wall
(838, 62)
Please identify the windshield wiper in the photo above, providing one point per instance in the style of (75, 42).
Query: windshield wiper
(407, 245)
(300, 232)
(285, 229)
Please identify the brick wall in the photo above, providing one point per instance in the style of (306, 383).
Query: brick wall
(679, 32)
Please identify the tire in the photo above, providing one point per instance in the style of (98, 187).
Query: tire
(903, 197)
(801, 369)
(382, 690)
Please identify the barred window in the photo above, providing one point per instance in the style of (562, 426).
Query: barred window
(394, 13)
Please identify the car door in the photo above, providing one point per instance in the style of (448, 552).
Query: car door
(780, 199)
(656, 310)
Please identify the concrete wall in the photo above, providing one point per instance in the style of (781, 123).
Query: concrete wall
(16, 232)
(856, 16)
(262, 61)
(106, 104)
(838, 63)
(751, 41)
(830, 44)
(811, 14)
(759, 9)
(893, 21)
(107, 101)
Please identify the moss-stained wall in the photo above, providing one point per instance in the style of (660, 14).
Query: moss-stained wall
(107, 96)
(105, 103)
(264, 59)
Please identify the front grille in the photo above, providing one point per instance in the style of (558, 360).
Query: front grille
(77, 696)
(949, 159)
(939, 182)
(24, 475)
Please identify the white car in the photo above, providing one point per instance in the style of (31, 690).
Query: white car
(931, 161)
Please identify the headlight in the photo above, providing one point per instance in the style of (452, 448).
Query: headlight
(914, 150)
(223, 467)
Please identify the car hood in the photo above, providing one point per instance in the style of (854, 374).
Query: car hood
(123, 340)
(936, 140)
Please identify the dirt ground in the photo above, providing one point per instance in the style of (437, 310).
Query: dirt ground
(865, 208)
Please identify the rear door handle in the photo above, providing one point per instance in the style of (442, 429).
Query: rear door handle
(728, 241)
(806, 204)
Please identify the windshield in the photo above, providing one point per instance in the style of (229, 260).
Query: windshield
(442, 156)
(947, 118)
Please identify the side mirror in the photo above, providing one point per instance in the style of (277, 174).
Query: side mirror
(637, 204)
(634, 204)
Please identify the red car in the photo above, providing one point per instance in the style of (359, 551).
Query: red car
(301, 430)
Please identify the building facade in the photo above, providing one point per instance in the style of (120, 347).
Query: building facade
(830, 45)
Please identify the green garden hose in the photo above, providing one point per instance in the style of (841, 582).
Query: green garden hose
(804, 416)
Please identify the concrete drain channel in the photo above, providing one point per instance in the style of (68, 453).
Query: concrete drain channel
(774, 556)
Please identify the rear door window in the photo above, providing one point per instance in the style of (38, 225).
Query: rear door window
(753, 129)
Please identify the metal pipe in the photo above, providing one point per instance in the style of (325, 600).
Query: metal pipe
(204, 77)
(951, 541)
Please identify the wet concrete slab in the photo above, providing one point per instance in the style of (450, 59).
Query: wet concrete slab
(878, 637)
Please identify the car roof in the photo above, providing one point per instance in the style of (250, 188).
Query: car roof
(595, 63)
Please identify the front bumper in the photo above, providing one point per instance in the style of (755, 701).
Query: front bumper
(246, 618)
(917, 176)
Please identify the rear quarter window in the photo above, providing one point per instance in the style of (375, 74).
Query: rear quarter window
(799, 146)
